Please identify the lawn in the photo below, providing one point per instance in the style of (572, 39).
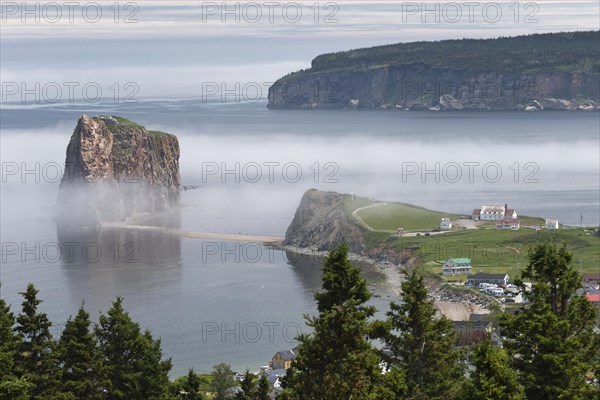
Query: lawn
(498, 251)
(391, 216)
(490, 250)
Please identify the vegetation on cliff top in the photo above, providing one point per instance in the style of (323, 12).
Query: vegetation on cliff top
(491, 250)
(125, 123)
(548, 52)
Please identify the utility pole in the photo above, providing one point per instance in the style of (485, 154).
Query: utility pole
(581, 220)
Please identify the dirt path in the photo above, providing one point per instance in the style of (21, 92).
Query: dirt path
(363, 223)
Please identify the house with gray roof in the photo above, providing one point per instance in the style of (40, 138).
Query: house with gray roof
(484, 277)
(283, 359)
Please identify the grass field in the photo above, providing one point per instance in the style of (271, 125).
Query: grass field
(391, 216)
(492, 250)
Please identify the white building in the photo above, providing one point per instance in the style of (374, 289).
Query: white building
(493, 213)
(457, 266)
(512, 223)
(551, 224)
(445, 224)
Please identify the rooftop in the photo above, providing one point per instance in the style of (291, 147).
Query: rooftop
(480, 318)
(492, 209)
(461, 260)
(593, 297)
(286, 355)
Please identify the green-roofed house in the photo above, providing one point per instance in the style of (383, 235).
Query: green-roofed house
(457, 266)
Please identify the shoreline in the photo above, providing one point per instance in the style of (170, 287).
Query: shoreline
(232, 237)
(454, 305)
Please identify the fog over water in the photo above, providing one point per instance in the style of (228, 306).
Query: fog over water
(252, 166)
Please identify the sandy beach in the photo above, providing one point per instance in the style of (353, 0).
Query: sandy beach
(459, 311)
(233, 237)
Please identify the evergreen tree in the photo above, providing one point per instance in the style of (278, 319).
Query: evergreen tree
(222, 381)
(422, 344)
(248, 386)
(336, 361)
(191, 386)
(392, 385)
(493, 378)
(36, 360)
(263, 388)
(11, 387)
(551, 340)
(133, 361)
(82, 369)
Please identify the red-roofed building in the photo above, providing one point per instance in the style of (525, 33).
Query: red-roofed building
(513, 224)
(593, 298)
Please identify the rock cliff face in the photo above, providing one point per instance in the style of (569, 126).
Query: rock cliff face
(422, 87)
(116, 169)
(553, 71)
(320, 222)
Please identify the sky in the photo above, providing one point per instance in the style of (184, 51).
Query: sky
(173, 49)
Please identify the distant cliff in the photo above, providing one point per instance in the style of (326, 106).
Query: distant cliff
(556, 71)
(116, 169)
(320, 222)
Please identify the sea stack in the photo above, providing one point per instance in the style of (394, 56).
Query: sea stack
(116, 169)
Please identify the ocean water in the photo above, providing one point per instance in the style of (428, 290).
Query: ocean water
(214, 301)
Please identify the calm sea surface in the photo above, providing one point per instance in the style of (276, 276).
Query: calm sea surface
(239, 303)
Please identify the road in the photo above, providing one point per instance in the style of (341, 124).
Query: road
(360, 221)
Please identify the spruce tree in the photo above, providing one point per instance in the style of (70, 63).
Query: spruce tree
(36, 358)
(263, 388)
(81, 363)
(551, 339)
(11, 387)
(248, 386)
(421, 344)
(133, 361)
(392, 385)
(336, 361)
(191, 386)
(494, 377)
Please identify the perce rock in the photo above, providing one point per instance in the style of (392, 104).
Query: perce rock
(116, 169)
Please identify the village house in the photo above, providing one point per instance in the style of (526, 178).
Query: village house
(456, 266)
(512, 224)
(283, 359)
(493, 213)
(274, 378)
(592, 280)
(476, 329)
(484, 277)
(445, 224)
(476, 323)
(551, 224)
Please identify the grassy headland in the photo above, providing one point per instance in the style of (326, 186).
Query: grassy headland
(491, 250)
